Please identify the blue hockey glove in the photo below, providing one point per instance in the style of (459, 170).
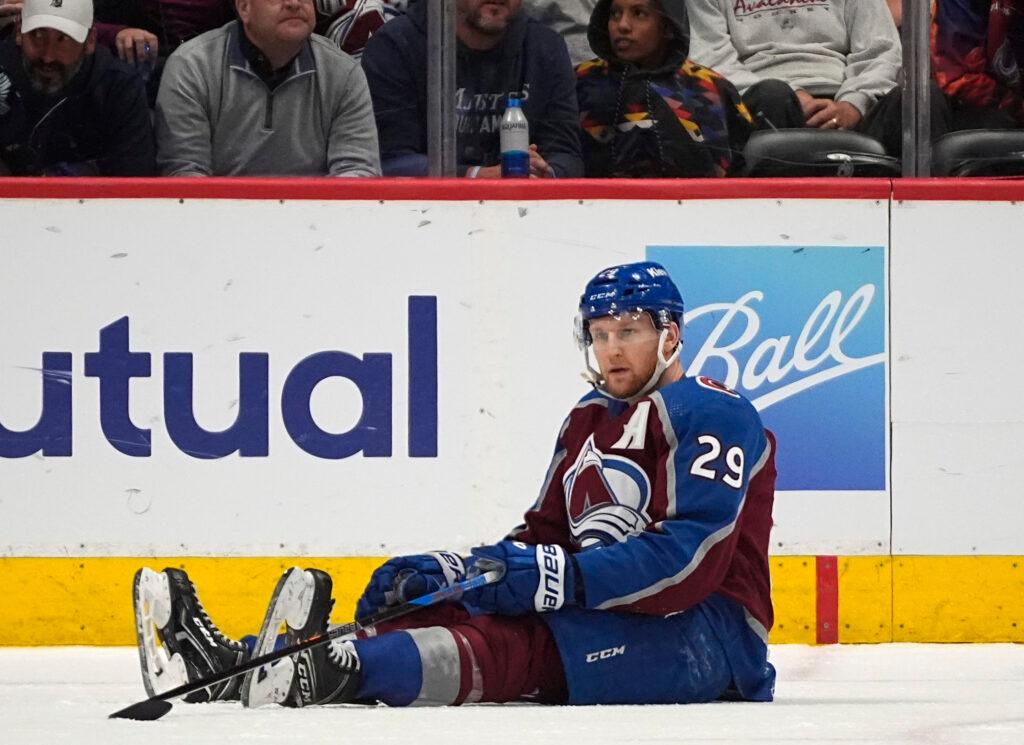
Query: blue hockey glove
(406, 577)
(537, 579)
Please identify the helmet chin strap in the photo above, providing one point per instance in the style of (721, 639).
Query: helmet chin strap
(595, 378)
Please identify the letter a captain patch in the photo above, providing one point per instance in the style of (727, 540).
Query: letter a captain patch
(634, 434)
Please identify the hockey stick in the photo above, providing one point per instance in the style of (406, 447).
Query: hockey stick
(156, 706)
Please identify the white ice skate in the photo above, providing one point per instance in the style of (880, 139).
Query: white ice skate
(178, 643)
(299, 608)
(161, 670)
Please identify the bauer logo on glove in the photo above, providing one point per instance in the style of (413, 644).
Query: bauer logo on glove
(551, 589)
(536, 579)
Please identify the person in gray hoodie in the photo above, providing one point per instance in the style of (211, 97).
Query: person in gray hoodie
(831, 64)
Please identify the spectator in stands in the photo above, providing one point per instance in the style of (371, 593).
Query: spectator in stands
(141, 29)
(500, 52)
(831, 64)
(264, 96)
(351, 23)
(143, 33)
(647, 110)
(66, 107)
(146, 32)
(10, 10)
(977, 51)
(570, 18)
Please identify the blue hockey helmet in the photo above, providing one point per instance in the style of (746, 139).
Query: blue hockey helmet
(630, 288)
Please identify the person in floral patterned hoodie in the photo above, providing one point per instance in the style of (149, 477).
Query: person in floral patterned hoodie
(648, 111)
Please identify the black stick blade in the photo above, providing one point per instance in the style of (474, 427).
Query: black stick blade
(144, 711)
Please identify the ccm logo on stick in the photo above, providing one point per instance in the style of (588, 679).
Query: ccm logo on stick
(114, 365)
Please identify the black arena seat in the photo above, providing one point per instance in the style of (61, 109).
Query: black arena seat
(816, 152)
(979, 152)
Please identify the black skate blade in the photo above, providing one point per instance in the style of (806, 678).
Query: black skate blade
(144, 711)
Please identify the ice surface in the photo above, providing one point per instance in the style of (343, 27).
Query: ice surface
(898, 693)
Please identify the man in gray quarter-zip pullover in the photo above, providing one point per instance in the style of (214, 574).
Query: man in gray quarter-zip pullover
(263, 96)
(66, 107)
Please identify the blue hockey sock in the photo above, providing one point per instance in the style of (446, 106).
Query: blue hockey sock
(250, 642)
(391, 668)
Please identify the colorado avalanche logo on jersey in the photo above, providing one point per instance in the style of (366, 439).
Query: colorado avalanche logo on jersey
(711, 384)
(606, 497)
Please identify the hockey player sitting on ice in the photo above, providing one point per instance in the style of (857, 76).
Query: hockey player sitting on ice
(640, 575)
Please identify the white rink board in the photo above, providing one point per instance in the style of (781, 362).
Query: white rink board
(957, 399)
(217, 278)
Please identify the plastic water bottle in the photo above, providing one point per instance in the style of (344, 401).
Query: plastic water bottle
(515, 141)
